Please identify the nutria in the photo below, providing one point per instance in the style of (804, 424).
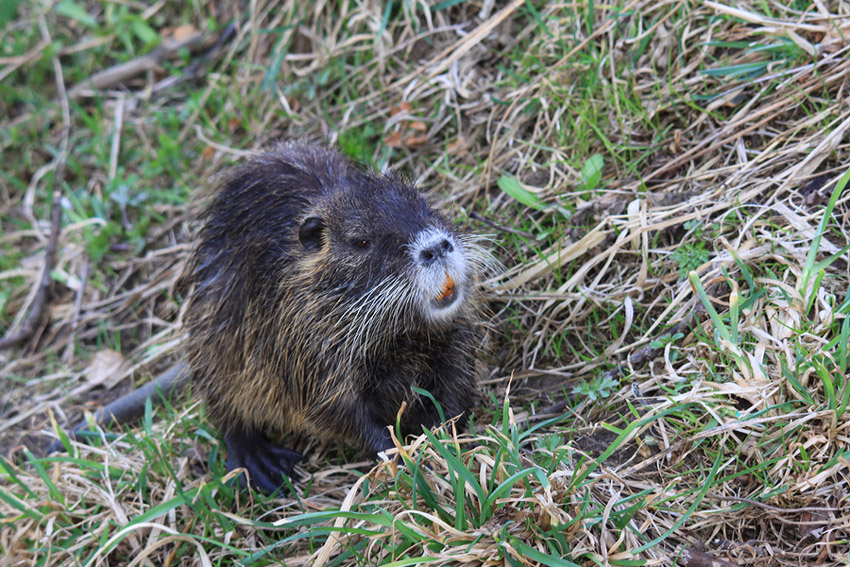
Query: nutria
(323, 294)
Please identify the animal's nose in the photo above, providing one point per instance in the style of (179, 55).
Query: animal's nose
(436, 251)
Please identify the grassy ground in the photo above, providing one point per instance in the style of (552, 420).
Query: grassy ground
(667, 382)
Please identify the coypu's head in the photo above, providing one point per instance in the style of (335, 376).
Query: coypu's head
(373, 243)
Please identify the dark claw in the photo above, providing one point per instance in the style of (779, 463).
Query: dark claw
(266, 462)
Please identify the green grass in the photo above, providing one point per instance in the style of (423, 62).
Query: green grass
(637, 153)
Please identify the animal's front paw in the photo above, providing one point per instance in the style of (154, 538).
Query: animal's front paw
(266, 462)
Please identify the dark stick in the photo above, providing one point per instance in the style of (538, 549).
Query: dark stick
(38, 304)
(129, 69)
(197, 67)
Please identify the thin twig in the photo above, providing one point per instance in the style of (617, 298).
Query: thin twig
(37, 308)
(637, 358)
(119, 73)
(649, 352)
(78, 306)
(199, 65)
(501, 227)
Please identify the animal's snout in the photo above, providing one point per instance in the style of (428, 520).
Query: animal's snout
(435, 251)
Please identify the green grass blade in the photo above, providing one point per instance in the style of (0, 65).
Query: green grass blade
(20, 505)
(55, 493)
(709, 482)
(721, 329)
(798, 387)
(456, 465)
(811, 256)
(538, 556)
(505, 486)
(8, 468)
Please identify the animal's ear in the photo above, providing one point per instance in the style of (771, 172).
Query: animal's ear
(310, 233)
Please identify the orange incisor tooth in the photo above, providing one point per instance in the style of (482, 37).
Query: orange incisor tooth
(448, 288)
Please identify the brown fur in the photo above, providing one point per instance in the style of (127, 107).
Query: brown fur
(277, 343)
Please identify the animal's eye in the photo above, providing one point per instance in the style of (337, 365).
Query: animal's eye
(361, 243)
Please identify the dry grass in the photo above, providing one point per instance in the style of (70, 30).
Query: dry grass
(720, 132)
